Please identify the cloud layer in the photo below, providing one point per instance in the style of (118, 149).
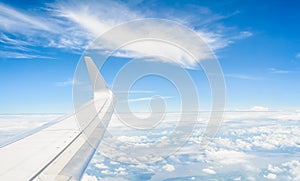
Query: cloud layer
(247, 147)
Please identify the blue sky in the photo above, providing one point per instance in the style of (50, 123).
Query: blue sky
(257, 44)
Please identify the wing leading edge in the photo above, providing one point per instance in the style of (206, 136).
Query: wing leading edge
(62, 150)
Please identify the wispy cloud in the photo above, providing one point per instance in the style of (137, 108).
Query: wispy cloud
(7, 40)
(69, 82)
(147, 98)
(243, 34)
(243, 76)
(23, 31)
(134, 92)
(298, 55)
(96, 19)
(13, 19)
(21, 55)
(278, 71)
(71, 25)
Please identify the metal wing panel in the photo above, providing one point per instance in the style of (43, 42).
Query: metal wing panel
(61, 150)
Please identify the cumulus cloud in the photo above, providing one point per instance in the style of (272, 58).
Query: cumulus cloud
(289, 170)
(208, 171)
(169, 167)
(270, 176)
(132, 139)
(274, 169)
(100, 165)
(244, 145)
(227, 157)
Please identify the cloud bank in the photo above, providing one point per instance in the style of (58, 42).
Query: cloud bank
(71, 25)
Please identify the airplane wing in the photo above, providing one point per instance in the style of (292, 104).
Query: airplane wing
(61, 150)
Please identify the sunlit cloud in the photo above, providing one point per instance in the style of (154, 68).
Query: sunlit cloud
(96, 19)
(209, 171)
(72, 25)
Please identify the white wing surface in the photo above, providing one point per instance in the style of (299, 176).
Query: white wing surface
(61, 150)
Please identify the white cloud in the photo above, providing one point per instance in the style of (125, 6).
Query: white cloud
(118, 171)
(169, 168)
(255, 114)
(12, 125)
(95, 17)
(7, 40)
(209, 171)
(227, 157)
(132, 139)
(87, 177)
(68, 82)
(106, 172)
(274, 169)
(159, 39)
(13, 19)
(237, 179)
(37, 29)
(259, 108)
(271, 176)
(21, 55)
(20, 122)
(100, 165)
(245, 34)
(277, 71)
(135, 92)
(293, 168)
(290, 170)
(255, 147)
(71, 25)
(147, 98)
(237, 144)
(298, 55)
